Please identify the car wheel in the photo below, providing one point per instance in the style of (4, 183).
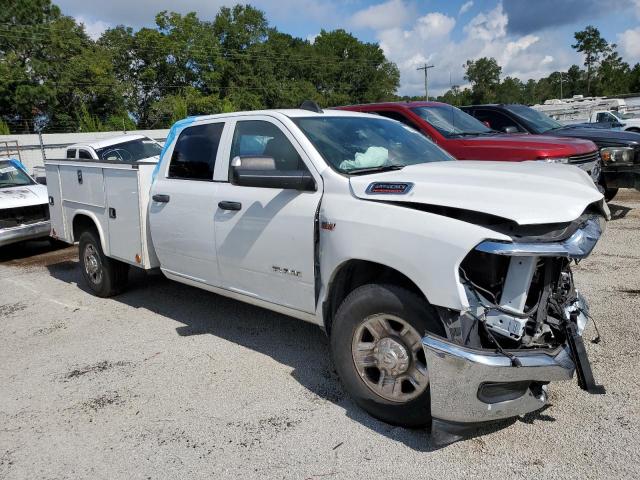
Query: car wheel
(610, 193)
(104, 276)
(376, 345)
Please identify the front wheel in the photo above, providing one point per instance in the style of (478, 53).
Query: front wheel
(376, 344)
(610, 193)
(104, 276)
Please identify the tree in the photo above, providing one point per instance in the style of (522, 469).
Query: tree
(510, 90)
(613, 74)
(484, 75)
(593, 46)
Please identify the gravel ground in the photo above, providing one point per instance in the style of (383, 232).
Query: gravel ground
(167, 381)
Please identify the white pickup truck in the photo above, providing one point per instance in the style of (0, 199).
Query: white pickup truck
(625, 121)
(445, 286)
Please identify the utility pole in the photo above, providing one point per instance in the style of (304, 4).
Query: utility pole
(426, 79)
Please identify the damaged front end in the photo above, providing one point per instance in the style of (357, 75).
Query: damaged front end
(522, 329)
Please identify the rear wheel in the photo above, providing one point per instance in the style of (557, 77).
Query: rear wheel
(376, 344)
(104, 276)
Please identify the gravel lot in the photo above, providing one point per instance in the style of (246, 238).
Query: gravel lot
(167, 381)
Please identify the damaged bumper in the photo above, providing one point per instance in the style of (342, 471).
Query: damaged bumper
(470, 385)
(24, 232)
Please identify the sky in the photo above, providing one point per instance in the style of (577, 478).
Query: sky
(529, 38)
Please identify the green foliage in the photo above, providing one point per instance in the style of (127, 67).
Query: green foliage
(593, 46)
(484, 75)
(4, 128)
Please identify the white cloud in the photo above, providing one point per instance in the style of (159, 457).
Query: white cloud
(431, 38)
(467, 6)
(629, 41)
(93, 28)
(488, 26)
(393, 13)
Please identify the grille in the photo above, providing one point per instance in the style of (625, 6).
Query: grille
(13, 217)
(584, 158)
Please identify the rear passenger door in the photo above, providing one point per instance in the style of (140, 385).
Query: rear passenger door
(183, 205)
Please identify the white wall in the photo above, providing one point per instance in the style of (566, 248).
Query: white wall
(55, 144)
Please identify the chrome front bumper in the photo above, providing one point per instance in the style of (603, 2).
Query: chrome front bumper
(471, 386)
(24, 232)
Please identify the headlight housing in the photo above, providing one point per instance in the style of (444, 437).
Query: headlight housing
(617, 155)
(554, 160)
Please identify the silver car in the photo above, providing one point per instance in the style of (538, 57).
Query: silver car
(24, 207)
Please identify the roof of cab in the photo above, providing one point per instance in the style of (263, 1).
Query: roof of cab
(290, 112)
(107, 142)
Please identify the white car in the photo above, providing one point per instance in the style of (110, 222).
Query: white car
(123, 148)
(445, 286)
(24, 207)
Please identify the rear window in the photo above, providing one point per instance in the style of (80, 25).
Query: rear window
(130, 151)
(71, 153)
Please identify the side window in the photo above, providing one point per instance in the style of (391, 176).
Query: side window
(496, 120)
(84, 154)
(194, 155)
(71, 153)
(604, 117)
(399, 117)
(257, 138)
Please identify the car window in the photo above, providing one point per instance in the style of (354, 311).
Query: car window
(258, 138)
(71, 153)
(399, 117)
(451, 121)
(194, 155)
(12, 176)
(495, 120)
(84, 154)
(353, 143)
(603, 117)
(130, 150)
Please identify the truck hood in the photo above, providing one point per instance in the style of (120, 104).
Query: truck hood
(25, 196)
(526, 193)
(603, 137)
(529, 147)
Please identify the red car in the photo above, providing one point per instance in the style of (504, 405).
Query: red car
(466, 138)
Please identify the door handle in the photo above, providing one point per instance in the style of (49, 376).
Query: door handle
(230, 205)
(158, 197)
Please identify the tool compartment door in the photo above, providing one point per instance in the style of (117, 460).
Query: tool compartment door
(123, 214)
(56, 210)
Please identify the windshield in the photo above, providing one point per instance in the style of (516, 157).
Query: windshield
(361, 144)
(538, 121)
(451, 121)
(12, 176)
(130, 151)
(627, 116)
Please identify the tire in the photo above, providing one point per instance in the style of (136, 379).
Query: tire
(610, 193)
(375, 305)
(104, 276)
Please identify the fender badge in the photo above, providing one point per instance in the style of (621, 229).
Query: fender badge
(389, 188)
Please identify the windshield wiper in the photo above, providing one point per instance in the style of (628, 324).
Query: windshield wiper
(382, 168)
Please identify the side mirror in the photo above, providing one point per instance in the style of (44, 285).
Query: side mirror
(261, 172)
(510, 129)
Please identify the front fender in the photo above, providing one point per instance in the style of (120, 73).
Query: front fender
(425, 247)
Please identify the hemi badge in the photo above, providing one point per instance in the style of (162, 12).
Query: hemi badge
(389, 188)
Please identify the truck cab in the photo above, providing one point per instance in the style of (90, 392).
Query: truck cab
(123, 148)
(625, 121)
(426, 273)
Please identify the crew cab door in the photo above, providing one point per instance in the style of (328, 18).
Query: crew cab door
(265, 237)
(184, 203)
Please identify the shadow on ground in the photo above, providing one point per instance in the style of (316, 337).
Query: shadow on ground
(618, 211)
(289, 341)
